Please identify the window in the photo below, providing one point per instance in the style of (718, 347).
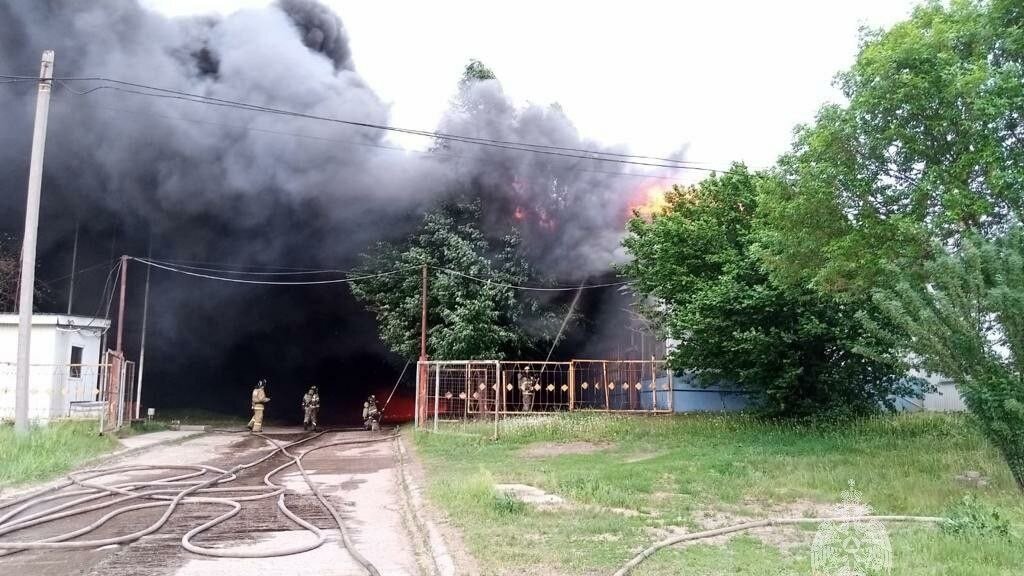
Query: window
(76, 362)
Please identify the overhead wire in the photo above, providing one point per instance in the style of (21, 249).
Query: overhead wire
(272, 282)
(546, 149)
(179, 269)
(433, 153)
(535, 288)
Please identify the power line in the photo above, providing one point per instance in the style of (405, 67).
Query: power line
(363, 144)
(179, 269)
(253, 273)
(534, 288)
(568, 152)
(272, 282)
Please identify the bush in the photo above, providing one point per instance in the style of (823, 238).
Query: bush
(972, 518)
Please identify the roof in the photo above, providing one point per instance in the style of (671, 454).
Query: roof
(62, 320)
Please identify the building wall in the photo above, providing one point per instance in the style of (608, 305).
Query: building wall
(53, 384)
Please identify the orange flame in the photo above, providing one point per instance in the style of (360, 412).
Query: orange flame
(649, 201)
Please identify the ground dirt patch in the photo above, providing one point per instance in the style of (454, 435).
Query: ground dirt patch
(549, 449)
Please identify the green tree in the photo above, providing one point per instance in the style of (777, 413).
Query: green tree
(467, 319)
(929, 148)
(967, 323)
(788, 346)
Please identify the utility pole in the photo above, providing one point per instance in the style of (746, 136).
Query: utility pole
(120, 307)
(28, 245)
(142, 344)
(424, 372)
(74, 264)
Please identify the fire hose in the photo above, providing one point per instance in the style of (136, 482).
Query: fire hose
(180, 488)
(648, 552)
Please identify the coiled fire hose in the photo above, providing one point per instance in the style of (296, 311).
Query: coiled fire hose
(184, 487)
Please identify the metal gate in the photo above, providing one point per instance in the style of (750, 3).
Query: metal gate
(453, 390)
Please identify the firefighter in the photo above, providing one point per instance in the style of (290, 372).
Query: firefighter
(259, 398)
(310, 408)
(526, 384)
(371, 416)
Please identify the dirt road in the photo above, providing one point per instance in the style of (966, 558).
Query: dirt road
(361, 481)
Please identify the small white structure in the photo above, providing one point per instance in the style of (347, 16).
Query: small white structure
(66, 364)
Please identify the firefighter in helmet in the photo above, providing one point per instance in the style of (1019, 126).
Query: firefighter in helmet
(371, 416)
(310, 408)
(527, 382)
(259, 399)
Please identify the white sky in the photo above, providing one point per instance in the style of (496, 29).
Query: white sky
(727, 78)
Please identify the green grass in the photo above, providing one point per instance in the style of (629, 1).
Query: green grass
(47, 451)
(203, 417)
(672, 471)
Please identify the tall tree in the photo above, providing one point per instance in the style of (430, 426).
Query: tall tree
(967, 323)
(793, 349)
(467, 319)
(930, 147)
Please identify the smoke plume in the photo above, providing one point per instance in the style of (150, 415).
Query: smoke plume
(220, 184)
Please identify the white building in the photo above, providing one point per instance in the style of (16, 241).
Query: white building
(66, 364)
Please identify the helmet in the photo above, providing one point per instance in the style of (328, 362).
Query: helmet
(372, 398)
(261, 383)
(313, 390)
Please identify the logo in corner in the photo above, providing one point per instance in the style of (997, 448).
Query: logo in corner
(851, 548)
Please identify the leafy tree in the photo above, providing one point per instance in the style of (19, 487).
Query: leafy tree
(929, 148)
(467, 319)
(967, 323)
(789, 346)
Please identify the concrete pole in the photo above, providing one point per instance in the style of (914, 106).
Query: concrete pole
(28, 245)
(142, 343)
(74, 264)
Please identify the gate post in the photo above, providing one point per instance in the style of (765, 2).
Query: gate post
(572, 385)
(115, 371)
(437, 393)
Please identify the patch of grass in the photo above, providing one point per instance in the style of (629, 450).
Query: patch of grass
(48, 451)
(741, 465)
(203, 417)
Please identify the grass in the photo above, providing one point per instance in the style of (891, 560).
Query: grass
(674, 471)
(203, 417)
(47, 451)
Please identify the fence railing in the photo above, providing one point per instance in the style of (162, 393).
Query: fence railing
(451, 390)
(55, 390)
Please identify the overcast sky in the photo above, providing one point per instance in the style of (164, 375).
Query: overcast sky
(726, 78)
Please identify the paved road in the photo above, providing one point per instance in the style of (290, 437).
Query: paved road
(360, 480)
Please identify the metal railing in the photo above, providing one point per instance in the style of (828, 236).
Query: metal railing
(457, 390)
(55, 390)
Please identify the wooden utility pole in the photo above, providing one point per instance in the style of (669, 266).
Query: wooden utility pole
(424, 373)
(120, 307)
(28, 245)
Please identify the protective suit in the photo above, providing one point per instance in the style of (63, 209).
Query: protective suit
(310, 408)
(371, 416)
(259, 399)
(527, 382)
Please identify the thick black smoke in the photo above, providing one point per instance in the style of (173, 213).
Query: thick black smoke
(218, 184)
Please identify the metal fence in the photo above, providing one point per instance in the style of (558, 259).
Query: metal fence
(55, 390)
(458, 390)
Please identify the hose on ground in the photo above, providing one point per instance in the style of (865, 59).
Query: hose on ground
(184, 487)
(648, 552)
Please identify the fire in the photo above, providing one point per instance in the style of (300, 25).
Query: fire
(649, 201)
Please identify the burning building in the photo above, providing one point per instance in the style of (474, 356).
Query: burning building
(264, 192)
